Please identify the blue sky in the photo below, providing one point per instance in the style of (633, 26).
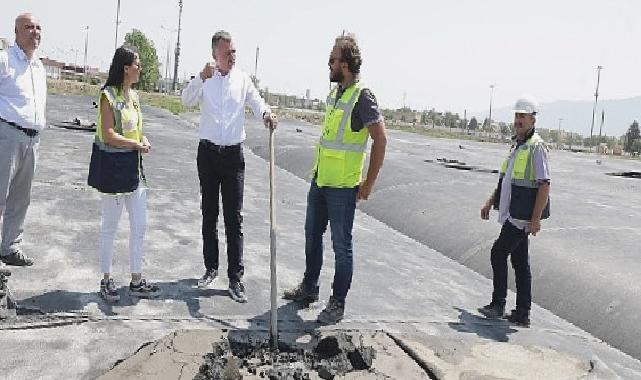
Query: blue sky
(442, 54)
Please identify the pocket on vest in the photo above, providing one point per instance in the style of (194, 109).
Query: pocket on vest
(332, 166)
(522, 203)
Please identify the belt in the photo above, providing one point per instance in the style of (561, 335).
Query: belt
(219, 148)
(27, 131)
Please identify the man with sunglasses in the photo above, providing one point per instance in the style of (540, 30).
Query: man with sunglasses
(522, 199)
(23, 93)
(222, 91)
(352, 115)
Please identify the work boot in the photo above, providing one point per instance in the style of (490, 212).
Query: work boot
(17, 258)
(144, 290)
(492, 311)
(519, 317)
(237, 291)
(207, 278)
(333, 312)
(301, 294)
(108, 290)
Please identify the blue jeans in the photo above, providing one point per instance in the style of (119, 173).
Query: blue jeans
(336, 206)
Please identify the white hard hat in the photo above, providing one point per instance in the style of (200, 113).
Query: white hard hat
(527, 105)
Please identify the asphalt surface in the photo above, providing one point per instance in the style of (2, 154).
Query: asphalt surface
(401, 285)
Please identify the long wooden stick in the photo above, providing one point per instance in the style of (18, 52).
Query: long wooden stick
(272, 246)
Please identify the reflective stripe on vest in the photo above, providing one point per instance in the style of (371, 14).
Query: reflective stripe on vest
(340, 153)
(523, 172)
(347, 108)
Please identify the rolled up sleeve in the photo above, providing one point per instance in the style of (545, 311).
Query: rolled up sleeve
(368, 110)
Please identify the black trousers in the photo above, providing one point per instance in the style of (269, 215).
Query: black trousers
(512, 242)
(221, 170)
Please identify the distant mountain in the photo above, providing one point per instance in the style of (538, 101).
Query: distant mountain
(577, 115)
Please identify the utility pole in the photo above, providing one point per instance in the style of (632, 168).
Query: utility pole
(602, 121)
(256, 64)
(180, 13)
(559, 137)
(596, 98)
(86, 45)
(117, 24)
(404, 99)
(489, 120)
(464, 120)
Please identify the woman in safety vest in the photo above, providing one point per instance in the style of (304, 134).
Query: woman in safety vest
(116, 171)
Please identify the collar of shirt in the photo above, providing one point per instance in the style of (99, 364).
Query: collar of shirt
(21, 55)
(341, 90)
(226, 76)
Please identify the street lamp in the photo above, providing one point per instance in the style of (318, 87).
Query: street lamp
(180, 13)
(117, 24)
(489, 120)
(86, 45)
(167, 56)
(596, 98)
(559, 136)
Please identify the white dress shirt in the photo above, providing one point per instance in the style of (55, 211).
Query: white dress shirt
(23, 89)
(222, 102)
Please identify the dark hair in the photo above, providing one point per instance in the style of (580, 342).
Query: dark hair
(124, 56)
(350, 52)
(220, 35)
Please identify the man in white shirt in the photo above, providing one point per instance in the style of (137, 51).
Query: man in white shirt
(222, 92)
(23, 93)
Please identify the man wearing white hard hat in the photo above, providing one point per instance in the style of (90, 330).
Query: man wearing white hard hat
(522, 199)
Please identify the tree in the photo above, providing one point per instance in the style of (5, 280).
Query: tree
(631, 136)
(474, 124)
(148, 59)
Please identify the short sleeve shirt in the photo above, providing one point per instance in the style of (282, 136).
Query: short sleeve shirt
(542, 170)
(366, 111)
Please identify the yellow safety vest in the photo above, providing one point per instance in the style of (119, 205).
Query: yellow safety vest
(340, 153)
(115, 170)
(128, 122)
(524, 185)
(523, 171)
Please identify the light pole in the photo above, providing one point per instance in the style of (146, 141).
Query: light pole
(86, 45)
(168, 56)
(596, 98)
(256, 64)
(489, 120)
(180, 13)
(117, 24)
(559, 136)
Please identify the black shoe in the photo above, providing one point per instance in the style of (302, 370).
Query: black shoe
(237, 292)
(17, 259)
(492, 311)
(143, 289)
(301, 294)
(333, 312)
(209, 277)
(519, 318)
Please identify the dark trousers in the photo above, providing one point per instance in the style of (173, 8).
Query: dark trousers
(336, 206)
(512, 242)
(221, 170)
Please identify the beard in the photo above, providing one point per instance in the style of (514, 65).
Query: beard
(336, 77)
